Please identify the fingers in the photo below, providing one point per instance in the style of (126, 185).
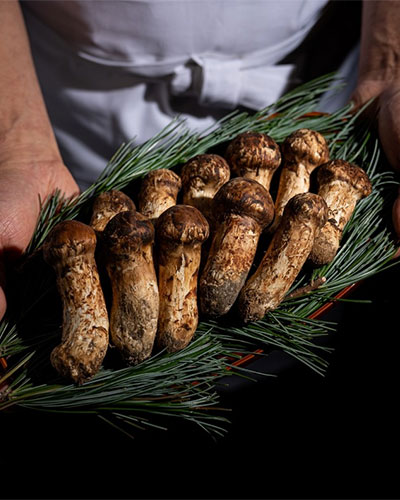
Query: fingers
(396, 218)
(389, 124)
(389, 134)
(387, 109)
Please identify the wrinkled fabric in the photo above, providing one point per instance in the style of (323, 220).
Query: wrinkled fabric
(116, 70)
(231, 83)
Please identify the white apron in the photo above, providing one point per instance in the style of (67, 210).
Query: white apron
(115, 70)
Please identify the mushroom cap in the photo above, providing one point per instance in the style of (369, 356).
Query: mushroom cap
(307, 207)
(305, 146)
(203, 170)
(162, 178)
(244, 197)
(106, 205)
(182, 224)
(251, 151)
(127, 232)
(344, 171)
(68, 239)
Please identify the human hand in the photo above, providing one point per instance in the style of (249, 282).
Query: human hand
(30, 161)
(21, 185)
(387, 109)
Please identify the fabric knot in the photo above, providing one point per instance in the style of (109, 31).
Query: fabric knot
(229, 83)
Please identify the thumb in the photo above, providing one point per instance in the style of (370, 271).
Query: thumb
(365, 91)
(3, 301)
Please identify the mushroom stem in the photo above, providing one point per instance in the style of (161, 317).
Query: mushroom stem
(107, 205)
(244, 208)
(70, 248)
(341, 184)
(202, 177)
(302, 151)
(254, 155)
(128, 240)
(180, 230)
(289, 248)
(158, 191)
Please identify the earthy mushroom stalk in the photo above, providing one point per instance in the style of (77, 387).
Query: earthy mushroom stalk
(289, 248)
(70, 248)
(243, 208)
(341, 184)
(180, 230)
(128, 240)
(302, 151)
(107, 205)
(158, 191)
(254, 155)
(202, 176)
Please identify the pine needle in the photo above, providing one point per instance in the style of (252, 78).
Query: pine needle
(183, 385)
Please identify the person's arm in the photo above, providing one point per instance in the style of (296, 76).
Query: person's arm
(379, 76)
(379, 70)
(30, 163)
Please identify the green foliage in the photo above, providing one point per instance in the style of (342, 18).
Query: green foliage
(183, 384)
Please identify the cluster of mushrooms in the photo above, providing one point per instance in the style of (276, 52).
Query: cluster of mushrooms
(169, 260)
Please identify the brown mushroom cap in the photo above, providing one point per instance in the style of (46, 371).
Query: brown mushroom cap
(162, 178)
(305, 146)
(127, 232)
(349, 173)
(68, 239)
(205, 170)
(106, 205)
(244, 197)
(307, 207)
(253, 151)
(182, 224)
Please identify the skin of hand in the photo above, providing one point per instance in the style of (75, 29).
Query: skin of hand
(379, 78)
(31, 167)
(21, 188)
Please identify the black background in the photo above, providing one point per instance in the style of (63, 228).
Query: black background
(296, 435)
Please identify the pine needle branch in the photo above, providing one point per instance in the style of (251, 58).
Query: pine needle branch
(183, 384)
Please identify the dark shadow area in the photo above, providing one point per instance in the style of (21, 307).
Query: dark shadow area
(295, 435)
(325, 48)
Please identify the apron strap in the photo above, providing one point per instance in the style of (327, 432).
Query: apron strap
(230, 83)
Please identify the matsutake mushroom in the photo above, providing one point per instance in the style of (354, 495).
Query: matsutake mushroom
(287, 252)
(127, 242)
(70, 248)
(341, 184)
(254, 155)
(202, 176)
(158, 191)
(243, 208)
(180, 232)
(108, 204)
(302, 152)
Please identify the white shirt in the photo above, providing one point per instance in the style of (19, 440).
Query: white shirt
(115, 70)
